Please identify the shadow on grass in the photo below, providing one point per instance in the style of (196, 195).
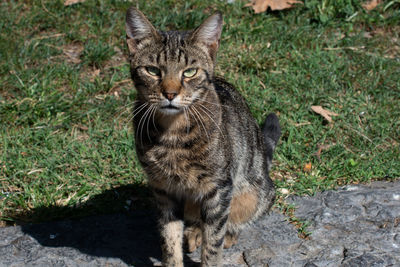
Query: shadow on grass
(131, 236)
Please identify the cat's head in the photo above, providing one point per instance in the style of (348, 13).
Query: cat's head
(172, 70)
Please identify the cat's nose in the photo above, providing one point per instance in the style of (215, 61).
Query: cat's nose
(170, 87)
(170, 96)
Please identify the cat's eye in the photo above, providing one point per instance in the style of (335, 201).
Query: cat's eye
(189, 73)
(153, 71)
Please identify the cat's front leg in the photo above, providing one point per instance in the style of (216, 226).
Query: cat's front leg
(214, 217)
(171, 228)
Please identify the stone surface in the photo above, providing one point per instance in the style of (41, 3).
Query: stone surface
(353, 226)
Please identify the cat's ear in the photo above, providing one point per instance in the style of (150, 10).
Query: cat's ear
(139, 30)
(209, 33)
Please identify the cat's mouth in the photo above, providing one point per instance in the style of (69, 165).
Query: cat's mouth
(170, 106)
(170, 109)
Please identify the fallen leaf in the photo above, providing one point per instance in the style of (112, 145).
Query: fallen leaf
(260, 6)
(72, 2)
(307, 167)
(283, 191)
(324, 113)
(371, 4)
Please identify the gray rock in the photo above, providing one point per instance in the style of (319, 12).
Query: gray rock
(352, 226)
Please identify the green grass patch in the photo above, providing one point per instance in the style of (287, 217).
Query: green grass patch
(66, 141)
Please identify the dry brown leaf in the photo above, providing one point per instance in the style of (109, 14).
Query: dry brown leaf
(371, 4)
(307, 167)
(72, 2)
(284, 191)
(260, 6)
(324, 113)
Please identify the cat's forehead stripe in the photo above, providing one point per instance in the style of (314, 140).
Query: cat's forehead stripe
(151, 58)
(173, 49)
(182, 57)
(165, 53)
(158, 58)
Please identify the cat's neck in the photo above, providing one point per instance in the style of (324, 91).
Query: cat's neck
(170, 122)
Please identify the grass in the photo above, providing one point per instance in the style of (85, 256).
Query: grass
(66, 143)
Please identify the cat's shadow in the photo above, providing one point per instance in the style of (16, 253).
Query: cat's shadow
(130, 236)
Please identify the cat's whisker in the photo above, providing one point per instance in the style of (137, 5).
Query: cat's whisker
(205, 109)
(117, 117)
(140, 125)
(153, 115)
(148, 121)
(137, 129)
(128, 104)
(121, 113)
(137, 111)
(187, 119)
(212, 103)
(122, 110)
(202, 123)
(192, 113)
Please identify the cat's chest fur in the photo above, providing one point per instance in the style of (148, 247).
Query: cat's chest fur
(181, 160)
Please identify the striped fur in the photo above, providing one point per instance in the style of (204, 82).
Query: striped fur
(206, 158)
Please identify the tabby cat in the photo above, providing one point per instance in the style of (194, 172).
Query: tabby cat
(206, 159)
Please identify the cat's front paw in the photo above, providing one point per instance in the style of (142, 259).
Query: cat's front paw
(230, 240)
(192, 238)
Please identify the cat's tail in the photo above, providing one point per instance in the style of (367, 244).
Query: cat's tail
(271, 131)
